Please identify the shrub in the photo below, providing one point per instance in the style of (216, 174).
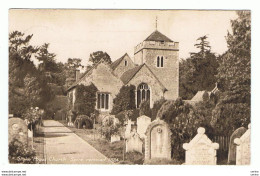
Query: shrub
(132, 116)
(124, 100)
(20, 153)
(82, 120)
(183, 123)
(85, 99)
(108, 129)
(145, 109)
(156, 107)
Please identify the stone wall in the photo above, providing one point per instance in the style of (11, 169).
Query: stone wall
(145, 76)
(105, 81)
(121, 68)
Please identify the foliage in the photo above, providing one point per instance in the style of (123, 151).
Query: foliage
(20, 153)
(121, 116)
(124, 100)
(85, 99)
(234, 77)
(156, 106)
(83, 120)
(199, 71)
(27, 86)
(145, 109)
(95, 57)
(183, 123)
(109, 128)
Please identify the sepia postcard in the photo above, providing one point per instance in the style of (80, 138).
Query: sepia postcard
(129, 87)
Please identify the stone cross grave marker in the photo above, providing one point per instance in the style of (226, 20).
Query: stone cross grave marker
(17, 129)
(134, 142)
(158, 141)
(142, 124)
(200, 150)
(232, 146)
(243, 154)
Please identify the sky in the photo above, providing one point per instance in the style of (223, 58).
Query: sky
(77, 33)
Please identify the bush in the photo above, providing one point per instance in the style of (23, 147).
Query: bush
(108, 129)
(124, 100)
(83, 120)
(20, 153)
(145, 109)
(156, 107)
(132, 116)
(85, 99)
(183, 123)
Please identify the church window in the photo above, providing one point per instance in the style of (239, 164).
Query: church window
(143, 94)
(160, 61)
(103, 101)
(125, 62)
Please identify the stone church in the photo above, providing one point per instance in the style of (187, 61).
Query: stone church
(154, 72)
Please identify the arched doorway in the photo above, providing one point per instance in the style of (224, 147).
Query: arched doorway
(143, 94)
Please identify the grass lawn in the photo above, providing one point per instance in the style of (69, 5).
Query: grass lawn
(113, 151)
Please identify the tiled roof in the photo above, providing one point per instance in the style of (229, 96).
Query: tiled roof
(128, 75)
(117, 62)
(157, 36)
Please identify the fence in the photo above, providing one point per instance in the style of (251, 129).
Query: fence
(223, 142)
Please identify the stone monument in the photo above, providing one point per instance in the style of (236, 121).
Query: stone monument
(17, 129)
(142, 124)
(134, 142)
(232, 146)
(243, 154)
(201, 150)
(158, 141)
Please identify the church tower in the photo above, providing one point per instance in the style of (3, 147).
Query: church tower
(161, 55)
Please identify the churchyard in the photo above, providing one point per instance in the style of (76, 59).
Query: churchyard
(148, 107)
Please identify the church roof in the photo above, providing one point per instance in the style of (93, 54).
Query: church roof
(129, 74)
(157, 36)
(117, 62)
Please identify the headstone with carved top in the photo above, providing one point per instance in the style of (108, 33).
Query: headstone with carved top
(17, 129)
(243, 154)
(158, 141)
(200, 150)
(232, 146)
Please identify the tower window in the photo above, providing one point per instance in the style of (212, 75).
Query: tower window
(125, 62)
(159, 61)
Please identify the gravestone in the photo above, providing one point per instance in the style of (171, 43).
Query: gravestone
(158, 141)
(134, 142)
(142, 124)
(128, 128)
(17, 129)
(201, 150)
(232, 146)
(115, 138)
(243, 154)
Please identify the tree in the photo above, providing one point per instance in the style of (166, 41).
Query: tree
(47, 59)
(124, 100)
(234, 77)
(20, 64)
(198, 72)
(95, 57)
